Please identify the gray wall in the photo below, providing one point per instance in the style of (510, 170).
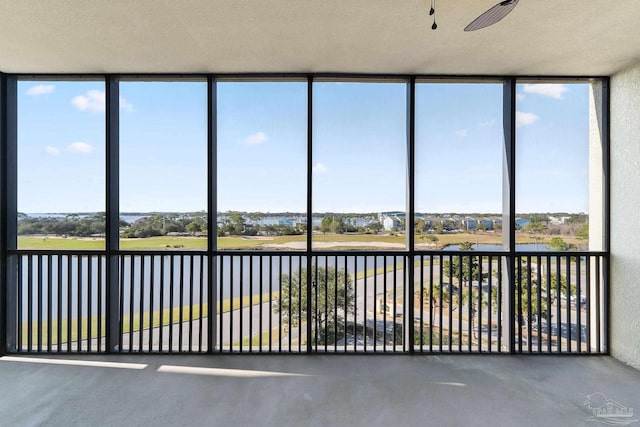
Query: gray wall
(625, 215)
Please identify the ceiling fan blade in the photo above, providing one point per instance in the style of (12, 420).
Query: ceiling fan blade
(493, 15)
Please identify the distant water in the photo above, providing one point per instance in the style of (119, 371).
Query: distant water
(127, 218)
(524, 247)
(489, 247)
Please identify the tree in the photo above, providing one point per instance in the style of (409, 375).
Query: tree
(332, 297)
(375, 227)
(431, 238)
(466, 246)
(466, 269)
(326, 225)
(527, 298)
(535, 228)
(558, 244)
(583, 233)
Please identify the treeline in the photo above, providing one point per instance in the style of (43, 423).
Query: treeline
(193, 224)
(187, 224)
(341, 224)
(234, 223)
(71, 225)
(75, 225)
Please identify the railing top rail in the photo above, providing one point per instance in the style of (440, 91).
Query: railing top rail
(323, 253)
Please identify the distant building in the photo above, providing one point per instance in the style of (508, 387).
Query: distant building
(390, 223)
(487, 223)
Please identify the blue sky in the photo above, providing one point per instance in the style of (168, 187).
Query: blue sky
(359, 157)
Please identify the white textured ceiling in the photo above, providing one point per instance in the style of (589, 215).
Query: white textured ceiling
(540, 37)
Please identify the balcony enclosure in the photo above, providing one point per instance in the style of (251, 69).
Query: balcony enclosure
(305, 214)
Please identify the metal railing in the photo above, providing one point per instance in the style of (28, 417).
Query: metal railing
(296, 302)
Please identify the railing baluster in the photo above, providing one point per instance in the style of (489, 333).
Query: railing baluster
(39, 306)
(280, 302)
(568, 302)
(558, 305)
(20, 291)
(261, 291)
(375, 299)
(529, 302)
(49, 302)
(69, 301)
(500, 314)
(59, 275)
(549, 308)
(271, 304)
(30, 304)
(241, 309)
(152, 285)
(99, 303)
(490, 303)
(131, 300)
(290, 328)
(300, 293)
(202, 300)
(162, 284)
(430, 303)
(384, 305)
(220, 308)
(539, 298)
(588, 301)
(479, 306)
(171, 298)
(141, 305)
(191, 280)
(80, 283)
(89, 302)
(251, 306)
(598, 302)
(395, 300)
(231, 310)
(325, 327)
(578, 305)
(181, 306)
(470, 303)
(421, 313)
(121, 332)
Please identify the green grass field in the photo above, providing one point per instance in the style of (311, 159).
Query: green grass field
(200, 243)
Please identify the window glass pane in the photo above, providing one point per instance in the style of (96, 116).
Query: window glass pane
(459, 149)
(552, 155)
(61, 172)
(262, 163)
(163, 165)
(359, 165)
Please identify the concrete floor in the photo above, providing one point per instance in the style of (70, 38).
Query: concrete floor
(299, 390)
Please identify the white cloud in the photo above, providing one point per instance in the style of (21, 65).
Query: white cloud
(80, 147)
(487, 124)
(319, 168)
(40, 90)
(550, 90)
(125, 105)
(256, 138)
(94, 102)
(519, 97)
(52, 151)
(461, 133)
(525, 119)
